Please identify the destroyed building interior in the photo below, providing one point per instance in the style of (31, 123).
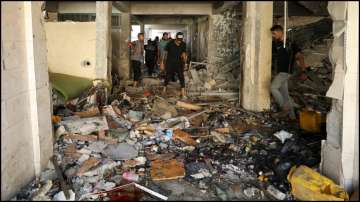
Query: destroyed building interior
(73, 127)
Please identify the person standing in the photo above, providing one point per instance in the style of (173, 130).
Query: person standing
(150, 56)
(174, 61)
(164, 40)
(137, 57)
(285, 59)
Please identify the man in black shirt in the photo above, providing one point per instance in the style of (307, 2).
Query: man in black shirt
(284, 61)
(150, 56)
(174, 60)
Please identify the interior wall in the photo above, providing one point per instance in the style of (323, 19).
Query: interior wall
(115, 40)
(71, 48)
(224, 48)
(26, 131)
(201, 39)
(80, 7)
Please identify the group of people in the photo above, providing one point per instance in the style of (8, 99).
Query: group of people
(169, 54)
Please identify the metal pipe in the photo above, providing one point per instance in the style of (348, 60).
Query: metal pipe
(285, 16)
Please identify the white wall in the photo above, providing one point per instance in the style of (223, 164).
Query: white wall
(26, 132)
(69, 45)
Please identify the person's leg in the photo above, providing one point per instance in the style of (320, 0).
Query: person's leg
(137, 72)
(287, 106)
(275, 89)
(285, 93)
(151, 67)
(180, 73)
(168, 74)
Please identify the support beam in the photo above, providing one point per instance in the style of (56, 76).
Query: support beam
(122, 6)
(226, 5)
(103, 40)
(170, 8)
(142, 28)
(166, 20)
(124, 65)
(256, 76)
(350, 116)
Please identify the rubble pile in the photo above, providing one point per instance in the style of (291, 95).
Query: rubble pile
(204, 81)
(148, 147)
(310, 94)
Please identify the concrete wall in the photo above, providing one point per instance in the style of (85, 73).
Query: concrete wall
(26, 132)
(70, 45)
(224, 46)
(170, 8)
(200, 50)
(340, 160)
(80, 7)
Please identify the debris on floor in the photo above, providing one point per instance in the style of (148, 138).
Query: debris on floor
(141, 146)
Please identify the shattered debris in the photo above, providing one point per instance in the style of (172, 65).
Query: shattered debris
(205, 145)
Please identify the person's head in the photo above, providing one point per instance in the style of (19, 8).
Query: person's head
(277, 32)
(141, 36)
(156, 38)
(165, 36)
(149, 41)
(179, 37)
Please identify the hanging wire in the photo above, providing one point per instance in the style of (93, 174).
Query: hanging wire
(285, 19)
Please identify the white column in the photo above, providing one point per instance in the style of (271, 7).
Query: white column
(103, 39)
(38, 85)
(350, 116)
(255, 92)
(124, 68)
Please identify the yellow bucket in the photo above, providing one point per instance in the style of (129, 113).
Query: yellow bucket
(311, 121)
(309, 185)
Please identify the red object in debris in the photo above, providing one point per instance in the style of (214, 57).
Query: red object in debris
(147, 93)
(123, 193)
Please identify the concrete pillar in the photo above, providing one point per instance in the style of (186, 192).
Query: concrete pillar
(26, 130)
(103, 39)
(142, 28)
(350, 116)
(256, 75)
(212, 50)
(331, 148)
(124, 68)
(340, 151)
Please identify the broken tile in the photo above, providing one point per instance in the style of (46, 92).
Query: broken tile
(122, 151)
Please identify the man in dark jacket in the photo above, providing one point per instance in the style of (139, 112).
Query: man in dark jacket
(174, 61)
(285, 59)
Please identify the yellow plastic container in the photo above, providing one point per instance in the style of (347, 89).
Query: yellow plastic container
(309, 185)
(311, 121)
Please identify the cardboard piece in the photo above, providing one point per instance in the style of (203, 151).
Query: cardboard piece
(167, 170)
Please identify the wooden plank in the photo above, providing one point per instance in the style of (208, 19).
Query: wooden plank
(183, 136)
